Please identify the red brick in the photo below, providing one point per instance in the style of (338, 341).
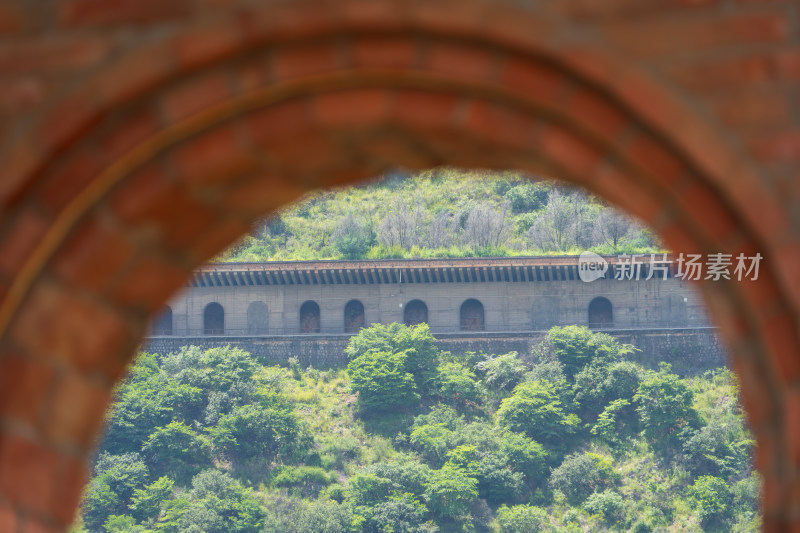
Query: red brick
(262, 194)
(72, 478)
(780, 337)
(788, 64)
(510, 127)
(573, 154)
(25, 234)
(385, 52)
(630, 9)
(290, 156)
(791, 425)
(52, 54)
(82, 13)
(384, 151)
(376, 17)
(24, 388)
(9, 521)
(703, 205)
(55, 324)
(627, 192)
(134, 74)
(452, 17)
(275, 123)
(150, 283)
(29, 473)
(425, 109)
(11, 20)
(777, 147)
(21, 94)
(754, 109)
(676, 237)
(305, 60)
(76, 411)
(195, 95)
(282, 21)
(472, 63)
(746, 70)
(69, 180)
(203, 46)
(757, 398)
(35, 525)
(597, 114)
(218, 238)
(654, 160)
(671, 37)
(126, 136)
(365, 107)
(535, 81)
(77, 261)
(69, 120)
(215, 156)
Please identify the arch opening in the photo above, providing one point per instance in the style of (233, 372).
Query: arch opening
(309, 317)
(353, 316)
(707, 216)
(415, 312)
(162, 325)
(472, 316)
(601, 313)
(214, 319)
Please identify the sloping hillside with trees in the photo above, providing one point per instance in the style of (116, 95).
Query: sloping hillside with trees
(571, 437)
(444, 213)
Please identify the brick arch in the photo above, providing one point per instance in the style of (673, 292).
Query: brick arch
(185, 144)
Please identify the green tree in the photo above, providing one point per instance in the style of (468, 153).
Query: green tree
(110, 492)
(353, 237)
(523, 519)
(665, 406)
(608, 504)
(535, 409)
(147, 502)
(178, 451)
(217, 503)
(502, 372)
(383, 381)
(264, 431)
(450, 491)
(416, 342)
(581, 474)
(458, 385)
(711, 498)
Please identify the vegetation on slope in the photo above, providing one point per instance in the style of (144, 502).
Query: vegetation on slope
(572, 437)
(444, 213)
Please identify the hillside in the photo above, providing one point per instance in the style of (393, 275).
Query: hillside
(443, 213)
(571, 437)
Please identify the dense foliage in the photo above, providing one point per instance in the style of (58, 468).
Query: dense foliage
(443, 213)
(572, 437)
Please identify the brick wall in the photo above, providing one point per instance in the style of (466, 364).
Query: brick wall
(138, 139)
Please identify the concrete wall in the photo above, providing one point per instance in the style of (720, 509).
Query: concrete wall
(508, 306)
(689, 350)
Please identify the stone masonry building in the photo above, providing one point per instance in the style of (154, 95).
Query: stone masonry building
(309, 309)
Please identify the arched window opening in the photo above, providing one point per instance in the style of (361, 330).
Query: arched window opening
(162, 325)
(258, 318)
(353, 316)
(309, 317)
(601, 314)
(416, 312)
(472, 316)
(214, 319)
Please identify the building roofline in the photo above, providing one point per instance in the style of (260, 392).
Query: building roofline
(388, 271)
